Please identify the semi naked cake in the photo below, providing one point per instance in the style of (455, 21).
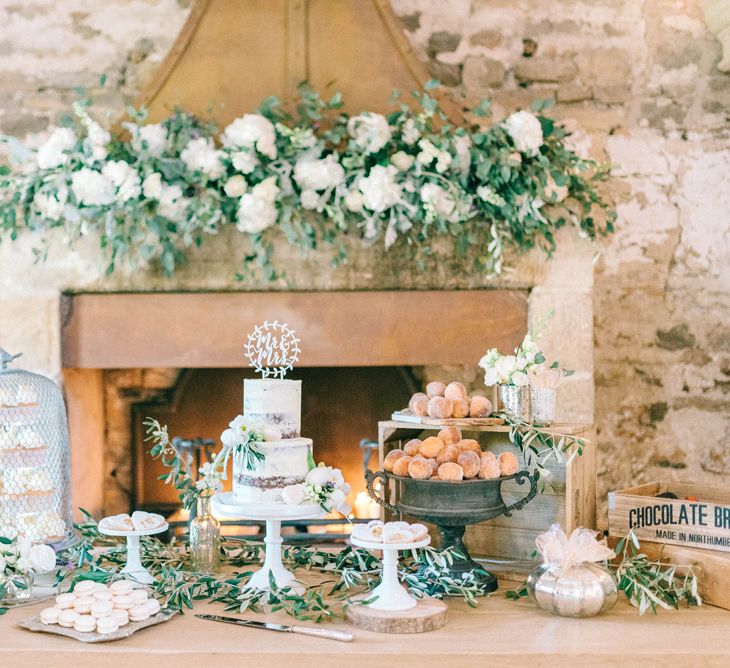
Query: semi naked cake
(275, 408)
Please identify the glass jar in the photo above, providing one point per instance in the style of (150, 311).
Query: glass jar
(15, 587)
(205, 536)
(515, 400)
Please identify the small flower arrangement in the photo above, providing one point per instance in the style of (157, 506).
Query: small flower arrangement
(240, 437)
(324, 486)
(511, 369)
(19, 559)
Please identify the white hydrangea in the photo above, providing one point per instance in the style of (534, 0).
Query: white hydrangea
(152, 186)
(369, 131)
(54, 151)
(379, 189)
(92, 188)
(525, 131)
(200, 155)
(150, 139)
(244, 161)
(441, 201)
(257, 208)
(252, 131)
(318, 174)
(125, 178)
(50, 205)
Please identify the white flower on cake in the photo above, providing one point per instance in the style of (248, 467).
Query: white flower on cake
(252, 131)
(525, 131)
(240, 430)
(257, 208)
(92, 188)
(318, 174)
(379, 189)
(54, 152)
(200, 155)
(369, 131)
(323, 485)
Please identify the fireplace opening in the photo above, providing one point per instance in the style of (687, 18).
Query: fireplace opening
(341, 407)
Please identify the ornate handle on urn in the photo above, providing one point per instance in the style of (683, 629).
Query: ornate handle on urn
(370, 479)
(519, 477)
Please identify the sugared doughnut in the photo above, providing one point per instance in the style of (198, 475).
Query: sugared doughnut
(508, 463)
(418, 404)
(455, 391)
(450, 435)
(460, 408)
(50, 615)
(470, 462)
(489, 469)
(391, 458)
(440, 407)
(449, 454)
(413, 447)
(435, 389)
(469, 444)
(420, 468)
(450, 471)
(431, 446)
(480, 407)
(434, 465)
(401, 465)
(85, 623)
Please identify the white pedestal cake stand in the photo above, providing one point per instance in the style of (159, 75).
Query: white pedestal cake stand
(273, 514)
(134, 569)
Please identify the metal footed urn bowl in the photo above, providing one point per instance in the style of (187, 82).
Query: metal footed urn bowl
(451, 506)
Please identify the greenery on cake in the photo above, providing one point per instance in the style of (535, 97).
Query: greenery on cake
(154, 191)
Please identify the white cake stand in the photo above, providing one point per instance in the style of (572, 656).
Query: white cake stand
(273, 514)
(134, 569)
(391, 595)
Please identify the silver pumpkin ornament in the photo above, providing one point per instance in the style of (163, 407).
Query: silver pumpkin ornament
(576, 590)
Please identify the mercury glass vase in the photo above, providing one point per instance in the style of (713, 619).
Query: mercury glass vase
(205, 536)
(542, 405)
(515, 400)
(582, 590)
(15, 588)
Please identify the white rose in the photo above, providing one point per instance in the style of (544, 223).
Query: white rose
(124, 177)
(462, 145)
(379, 189)
(490, 377)
(152, 186)
(91, 188)
(353, 201)
(410, 132)
(150, 139)
(309, 199)
(321, 475)
(526, 132)
(42, 558)
(50, 204)
(200, 155)
(235, 186)
(230, 438)
(257, 209)
(252, 131)
(54, 152)
(369, 131)
(402, 160)
(172, 204)
(440, 200)
(318, 174)
(244, 161)
(293, 494)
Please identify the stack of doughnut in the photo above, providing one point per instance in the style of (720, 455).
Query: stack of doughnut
(449, 401)
(450, 457)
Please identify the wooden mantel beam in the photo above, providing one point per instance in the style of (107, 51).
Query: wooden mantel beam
(127, 330)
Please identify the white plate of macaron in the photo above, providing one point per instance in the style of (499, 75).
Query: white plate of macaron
(390, 536)
(96, 612)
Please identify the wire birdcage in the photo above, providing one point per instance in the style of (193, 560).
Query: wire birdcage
(35, 494)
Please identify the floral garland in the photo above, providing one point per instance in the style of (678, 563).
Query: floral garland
(405, 179)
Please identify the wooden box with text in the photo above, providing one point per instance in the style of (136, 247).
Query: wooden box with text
(699, 517)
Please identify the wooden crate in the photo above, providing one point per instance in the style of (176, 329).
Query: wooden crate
(571, 502)
(702, 524)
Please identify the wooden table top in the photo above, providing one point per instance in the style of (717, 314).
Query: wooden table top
(500, 633)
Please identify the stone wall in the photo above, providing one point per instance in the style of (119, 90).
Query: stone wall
(636, 77)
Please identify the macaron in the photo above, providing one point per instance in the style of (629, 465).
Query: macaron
(66, 618)
(84, 587)
(83, 604)
(100, 586)
(139, 596)
(50, 615)
(64, 601)
(105, 595)
(123, 602)
(121, 617)
(106, 625)
(101, 609)
(121, 587)
(85, 623)
(138, 613)
(153, 606)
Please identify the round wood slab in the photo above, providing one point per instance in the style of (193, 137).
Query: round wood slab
(428, 615)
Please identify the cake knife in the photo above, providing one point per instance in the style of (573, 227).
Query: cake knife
(344, 636)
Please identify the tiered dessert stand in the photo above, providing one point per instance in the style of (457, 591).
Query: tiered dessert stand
(393, 609)
(133, 569)
(273, 514)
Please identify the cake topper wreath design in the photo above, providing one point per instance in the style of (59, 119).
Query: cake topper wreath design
(272, 349)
